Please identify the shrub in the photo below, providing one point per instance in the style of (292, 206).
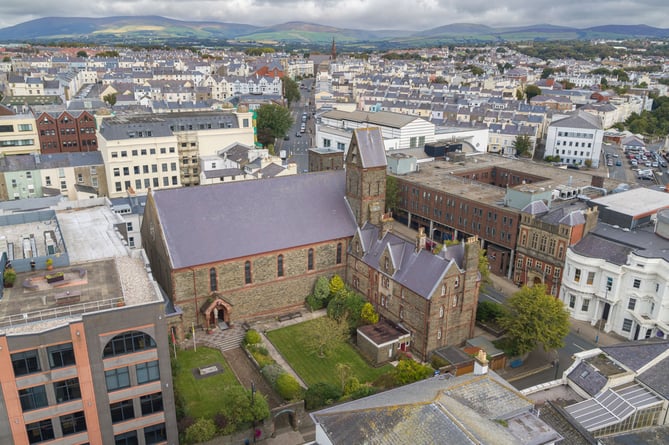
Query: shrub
(9, 277)
(352, 385)
(321, 394)
(315, 303)
(409, 371)
(252, 337)
(201, 431)
(488, 311)
(272, 372)
(288, 387)
(438, 362)
(363, 391)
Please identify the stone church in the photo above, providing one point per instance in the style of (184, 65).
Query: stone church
(234, 252)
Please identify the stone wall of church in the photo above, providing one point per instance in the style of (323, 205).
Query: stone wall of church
(268, 294)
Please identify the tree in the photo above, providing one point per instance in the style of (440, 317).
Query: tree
(523, 145)
(326, 334)
(343, 373)
(534, 317)
(520, 95)
(392, 193)
(82, 54)
(201, 431)
(6, 59)
(291, 91)
(368, 314)
(238, 410)
(547, 72)
(110, 99)
(532, 91)
(484, 266)
(273, 122)
(321, 295)
(346, 306)
(409, 371)
(336, 285)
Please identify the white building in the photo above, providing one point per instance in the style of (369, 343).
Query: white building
(618, 279)
(575, 139)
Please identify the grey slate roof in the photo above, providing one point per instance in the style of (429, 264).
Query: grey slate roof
(593, 246)
(587, 378)
(384, 118)
(656, 378)
(220, 222)
(420, 271)
(638, 354)
(369, 140)
(581, 119)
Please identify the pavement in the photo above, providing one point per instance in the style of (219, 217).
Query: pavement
(540, 360)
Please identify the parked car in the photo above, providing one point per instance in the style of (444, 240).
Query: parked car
(618, 163)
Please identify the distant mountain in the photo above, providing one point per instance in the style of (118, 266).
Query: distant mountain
(161, 30)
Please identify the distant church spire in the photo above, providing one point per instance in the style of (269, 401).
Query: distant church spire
(333, 55)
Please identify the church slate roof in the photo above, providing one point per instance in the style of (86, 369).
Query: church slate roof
(220, 222)
(369, 140)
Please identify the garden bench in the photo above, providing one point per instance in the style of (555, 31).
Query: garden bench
(296, 315)
(285, 317)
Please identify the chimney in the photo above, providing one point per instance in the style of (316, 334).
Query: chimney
(386, 224)
(597, 181)
(480, 363)
(421, 239)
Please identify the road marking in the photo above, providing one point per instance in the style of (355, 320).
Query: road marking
(579, 346)
(492, 298)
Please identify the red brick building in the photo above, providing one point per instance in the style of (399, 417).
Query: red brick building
(66, 132)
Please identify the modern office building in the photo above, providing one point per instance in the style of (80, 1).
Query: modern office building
(84, 354)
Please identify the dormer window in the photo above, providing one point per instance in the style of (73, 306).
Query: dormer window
(386, 264)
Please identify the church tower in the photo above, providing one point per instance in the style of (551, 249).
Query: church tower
(366, 175)
(333, 53)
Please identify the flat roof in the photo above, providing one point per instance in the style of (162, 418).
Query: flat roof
(34, 304)
(635, 202)
(445, 175)
(89, 233)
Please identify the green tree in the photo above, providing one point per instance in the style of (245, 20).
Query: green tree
(484, 266)
(368, 314)
(326, 334)
(409, 371)
(343, 371)
(520, 95)
(604, 83)
(532, 91)
(6, 59)
(321, 295)
(82, 54)
(547, 72)
(621, 74)
(392, 193)
(291, 91)
(110, 99)
(336, 285)
(321, 394)
(273, 122)
(346, 306)
(201, 431)
(238, 410)
(535, 318)
(523, 145)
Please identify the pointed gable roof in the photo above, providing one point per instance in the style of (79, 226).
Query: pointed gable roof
(364, 149)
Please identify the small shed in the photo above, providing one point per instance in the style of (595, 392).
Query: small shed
(459, 363)
(496, 357)
(380, 342)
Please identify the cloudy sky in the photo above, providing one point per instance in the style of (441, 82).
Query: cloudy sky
(370, 14)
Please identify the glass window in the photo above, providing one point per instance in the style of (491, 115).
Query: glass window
(155, 434)
(577, 275)
(33, 398)
(67, 390)
(247, 272)
(40, 431)
(73, 423)
(591, 278)
(152, 403)
(637, 283)
(310, 259)
(585, 305)
(60, 355)
(213, 284)
(631, 304)
(627, 325)
(127, 343)
(117, 378)
(121, 411)
(339, 248)
(279, 266)
(147, 372)
(129, 438)
(572, 301)
(25, 362)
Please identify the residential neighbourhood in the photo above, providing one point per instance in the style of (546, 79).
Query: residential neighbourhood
(144, 219)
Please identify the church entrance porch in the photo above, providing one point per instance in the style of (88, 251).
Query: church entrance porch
(217, 313)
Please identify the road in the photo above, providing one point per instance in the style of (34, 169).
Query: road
(573, 344)
(297, 147)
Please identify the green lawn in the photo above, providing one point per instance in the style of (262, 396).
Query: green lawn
(290, 341)
(201, 396)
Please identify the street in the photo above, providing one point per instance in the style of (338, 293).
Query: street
(573, 343)
(297, 144)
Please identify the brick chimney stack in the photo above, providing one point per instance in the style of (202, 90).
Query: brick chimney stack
(480, 363)
(421, 239)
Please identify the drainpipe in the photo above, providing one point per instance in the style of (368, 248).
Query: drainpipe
(194, 292)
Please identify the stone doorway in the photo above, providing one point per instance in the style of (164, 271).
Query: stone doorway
(217, 313)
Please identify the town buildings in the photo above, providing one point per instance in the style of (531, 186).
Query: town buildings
(576, 139)
(83, 347)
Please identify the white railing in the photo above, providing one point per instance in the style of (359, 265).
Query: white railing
(59, 312)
